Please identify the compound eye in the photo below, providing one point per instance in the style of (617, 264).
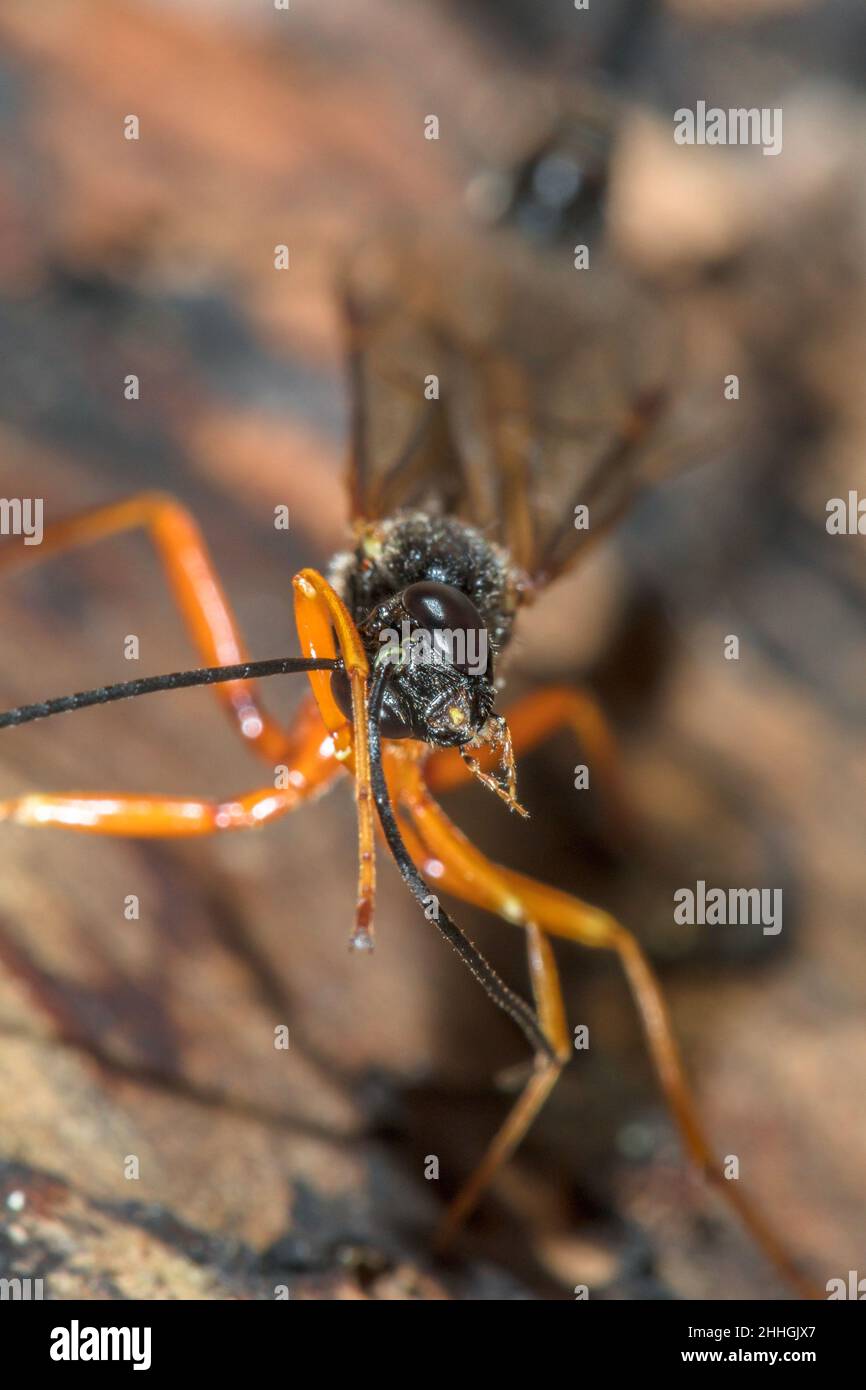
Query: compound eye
(393, 721)
(439, 607)
(434, 605)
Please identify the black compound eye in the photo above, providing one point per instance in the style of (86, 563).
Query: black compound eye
(437, 607)
(393, 721)
(434, 606)
(429, 603)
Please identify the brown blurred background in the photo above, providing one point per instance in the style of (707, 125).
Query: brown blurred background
(154, 1037)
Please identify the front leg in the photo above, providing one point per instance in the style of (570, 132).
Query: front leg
(195, 588)
(310, 767)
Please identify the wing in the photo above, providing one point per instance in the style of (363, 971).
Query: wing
(492, 384)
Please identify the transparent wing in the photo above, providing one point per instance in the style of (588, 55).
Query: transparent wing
(519, 393)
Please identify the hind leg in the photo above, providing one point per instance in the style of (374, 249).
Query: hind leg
(450, 859)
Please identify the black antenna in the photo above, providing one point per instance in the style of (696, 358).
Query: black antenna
(176, 680)
(502, 996)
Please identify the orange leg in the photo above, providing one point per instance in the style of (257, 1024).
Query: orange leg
(213, 628)
(549, 1002)
(311, 766)
(536, 717)
(449, 859)
(320, 614)
(546, 990)
(196, 588)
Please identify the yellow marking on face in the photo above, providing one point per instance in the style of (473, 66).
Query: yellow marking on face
(372, 547)
(456, 715)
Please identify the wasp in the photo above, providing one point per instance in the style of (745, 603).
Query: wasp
(486, 426)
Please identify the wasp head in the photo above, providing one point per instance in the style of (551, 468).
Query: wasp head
(440, 687)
